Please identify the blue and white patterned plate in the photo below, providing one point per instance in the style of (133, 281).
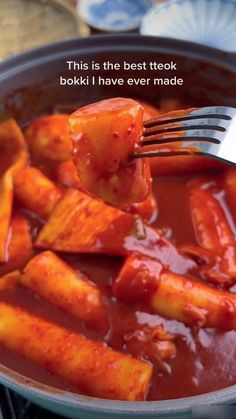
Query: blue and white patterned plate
(209, 22)
(113, 15)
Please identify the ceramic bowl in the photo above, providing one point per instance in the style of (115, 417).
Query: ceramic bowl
(208, 22)
(113, 15)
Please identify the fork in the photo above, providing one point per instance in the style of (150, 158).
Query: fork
(209, 131)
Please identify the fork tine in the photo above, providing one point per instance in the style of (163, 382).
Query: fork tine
(189, 135)
(156, 153)
(217, 112)
(211, 123)
(190, 151)
(179, 148)
(188, 147)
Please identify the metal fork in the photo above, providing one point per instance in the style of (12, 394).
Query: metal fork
(209, 131)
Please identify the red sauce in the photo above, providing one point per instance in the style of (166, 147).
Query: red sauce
(204, 360)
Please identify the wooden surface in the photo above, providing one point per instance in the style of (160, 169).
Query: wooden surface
(27, 24)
